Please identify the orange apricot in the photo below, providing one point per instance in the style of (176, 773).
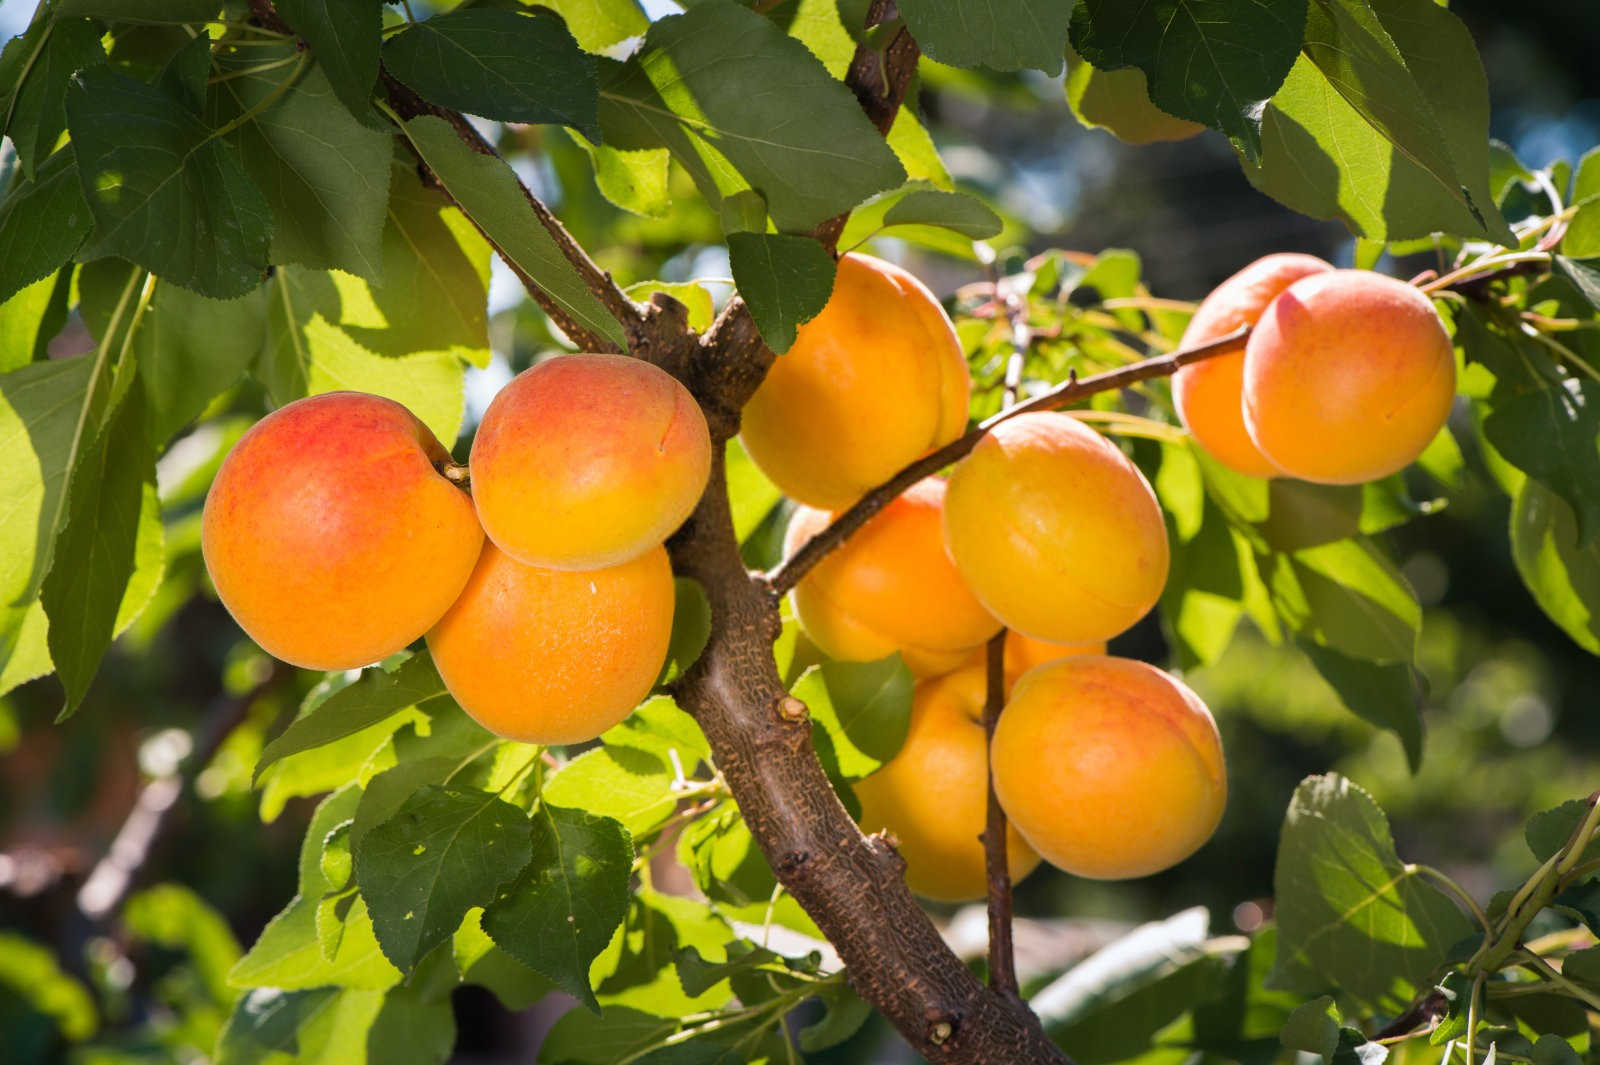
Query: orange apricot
(1348, 376)
(1209, 394)
(586, 461)
(933, 793)
(1055, 530)
(1109, 768)
(890, 587)
(332, 536)
(871, 383)
(555, 656)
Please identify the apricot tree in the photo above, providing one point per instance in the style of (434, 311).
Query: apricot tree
(291, 206)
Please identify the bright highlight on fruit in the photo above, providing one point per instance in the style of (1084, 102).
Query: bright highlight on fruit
(1108, 767)
(1055, 530)
(873, 382)
(1210, 394)
(332, 536)
(933, 794)
(587, 461)
(1348, 376)
(555, 656)
(890, 587)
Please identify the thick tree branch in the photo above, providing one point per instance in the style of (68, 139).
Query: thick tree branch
(787, 575)
(641, 324)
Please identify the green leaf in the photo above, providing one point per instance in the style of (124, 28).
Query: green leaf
(1002, 35)
(412, 1029)
(379, 694)
(1211, 61)
(870, 219)
(30, 971)
(27, 320)
(702, 87)
(499, 64)
(1118, 102)
(167, 11)
(1386, 694)
(599, 24)
(44, 411)
(697, 975)
(165, 192)
(324, 174)
(691, 628)
(488, 192)
(1551, 431)
(956, 211)
(1347, 597)
(1584, 275)
(93, 556)
(1324, 157)
(635, 181)
(189, 348)
(37, 112)
(864, 708)
(636, 969)
(1562, 574)
(561, 913)
(1108, 1006)
(444, 851)
(631, 785)
(287, 955)
(42, 223)
(785, 280)
(1354, 45)
(1550, 830)
(344, 35)
(480, 962)
(622, 1034)
(1582, 239)
(659, 726)
(267, 1022)
(846, 1012)
(1316, 1028)
(174, 917)
(1350, 913)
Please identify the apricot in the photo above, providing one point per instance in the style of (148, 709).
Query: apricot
(1209, 394)
(1055, 530)
(1109, 768)
(890, 587)
(1348, 376)
(874, 381)
(933, 793)
(555, 656)
(586, 461)
(332, 536)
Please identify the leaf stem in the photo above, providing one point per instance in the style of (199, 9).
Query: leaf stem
(1484, 264)
(1448, 883)
(266, 101)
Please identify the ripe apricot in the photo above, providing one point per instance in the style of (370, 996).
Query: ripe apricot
(933, 793)
(1055, 530)
(1348, 376)
(890, 587)
(1108, 767)
(555, 656)
(1209, 394)
(331, 535)
(871, 383)
(586, 461)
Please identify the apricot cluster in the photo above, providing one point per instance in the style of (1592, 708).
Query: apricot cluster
(1105, 767)
(337, 532)
(1346, 377)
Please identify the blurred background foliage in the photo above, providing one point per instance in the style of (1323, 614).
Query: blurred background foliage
(1510, 709)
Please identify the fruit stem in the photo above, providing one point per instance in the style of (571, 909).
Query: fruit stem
(456, 474)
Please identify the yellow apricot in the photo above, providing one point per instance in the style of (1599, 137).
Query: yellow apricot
(1108, 767)
(933, 794)
(890, 587)
(332, 536)
(586, 461)
(1209, 394)
(1055, 530)
(555, 656)
(1348, 376)
(874, 381)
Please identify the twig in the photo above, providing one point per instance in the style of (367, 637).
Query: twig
(997, 872)
(787, 575)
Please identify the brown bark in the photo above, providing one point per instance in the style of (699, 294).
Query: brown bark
(996, 868)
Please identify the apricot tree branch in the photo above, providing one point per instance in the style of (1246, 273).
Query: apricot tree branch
(637, 322)
(997, 872)
(786, 576)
